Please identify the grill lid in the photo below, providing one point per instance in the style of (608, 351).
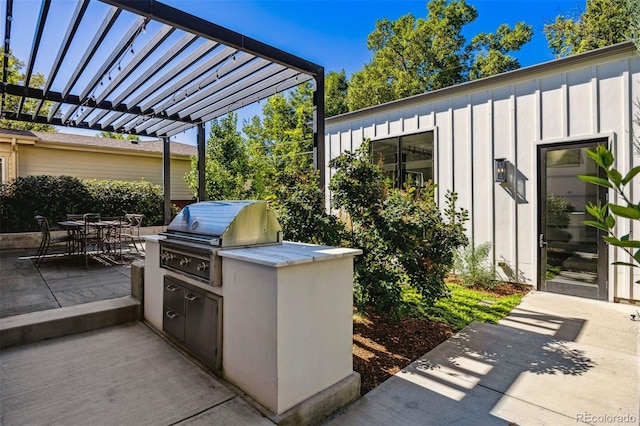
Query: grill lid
(228, 223)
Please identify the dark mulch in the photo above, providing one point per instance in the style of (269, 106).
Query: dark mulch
(382, 346)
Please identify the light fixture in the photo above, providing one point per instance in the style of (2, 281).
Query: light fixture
(500, 170)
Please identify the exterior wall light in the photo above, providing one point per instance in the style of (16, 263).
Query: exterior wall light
(500, 170)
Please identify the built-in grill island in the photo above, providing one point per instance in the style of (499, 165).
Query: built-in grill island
(273, 318)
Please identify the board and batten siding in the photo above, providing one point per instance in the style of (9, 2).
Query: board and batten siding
(580, 98)
(36, 160)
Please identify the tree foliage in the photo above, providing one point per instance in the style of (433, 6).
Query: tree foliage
(413, 56)
(336, 87)
(405, 239)
(606, 216)
(14, 76)
(299, 205)
(603, 23)
(228, 172)
(119, 136)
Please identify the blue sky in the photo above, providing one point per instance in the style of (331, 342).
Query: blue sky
(333, 33)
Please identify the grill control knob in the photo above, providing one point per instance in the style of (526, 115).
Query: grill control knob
(202, 266)
(185, 261)
(167, 256)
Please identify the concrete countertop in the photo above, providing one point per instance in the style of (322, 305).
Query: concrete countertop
(287, 254)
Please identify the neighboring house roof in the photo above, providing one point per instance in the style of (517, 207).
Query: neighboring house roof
(98, 142)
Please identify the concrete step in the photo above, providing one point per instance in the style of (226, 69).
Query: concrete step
(43, 325)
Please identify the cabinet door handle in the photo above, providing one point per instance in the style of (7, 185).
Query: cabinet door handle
(171, 288)
(190, 297)
(170, 315)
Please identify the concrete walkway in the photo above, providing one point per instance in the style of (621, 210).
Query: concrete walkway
(555, 360)
(122, 375)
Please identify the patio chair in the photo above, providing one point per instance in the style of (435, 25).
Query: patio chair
(131, 231)
(47, 240)
(92, 235)
(111, 238)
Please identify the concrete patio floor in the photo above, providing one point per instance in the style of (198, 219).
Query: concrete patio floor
(555, 360)
(121, 375)
(59, 281)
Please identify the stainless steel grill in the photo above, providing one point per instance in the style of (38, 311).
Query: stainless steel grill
(200, 230)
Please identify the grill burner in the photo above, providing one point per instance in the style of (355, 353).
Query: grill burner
(200, 230)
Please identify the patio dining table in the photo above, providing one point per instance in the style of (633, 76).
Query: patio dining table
(105, 238)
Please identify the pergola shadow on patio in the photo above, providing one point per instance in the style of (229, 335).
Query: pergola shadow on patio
(144, 68)
(59, 281)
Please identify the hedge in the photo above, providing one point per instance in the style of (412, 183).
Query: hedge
(55, 196)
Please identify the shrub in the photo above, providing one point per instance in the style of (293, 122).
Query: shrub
(473, 267)
(55, 196)
(299, 206)
(115, 198)
(404, 237)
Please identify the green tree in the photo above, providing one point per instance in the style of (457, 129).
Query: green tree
(119, 136)
(11, 102)
(283, 134)
(491, 50)
(336, 87)
(603, 23)
(227, 170)
(413, 56)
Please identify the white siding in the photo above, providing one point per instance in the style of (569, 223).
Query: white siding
(510, 118)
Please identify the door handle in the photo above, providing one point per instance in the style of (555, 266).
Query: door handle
(541, 241)
(190, 297)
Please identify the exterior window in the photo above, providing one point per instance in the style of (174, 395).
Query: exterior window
(3, 173)
(415, 152)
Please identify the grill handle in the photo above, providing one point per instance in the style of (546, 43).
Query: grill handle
(190, 297)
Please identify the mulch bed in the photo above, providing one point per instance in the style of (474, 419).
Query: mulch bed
(383, 346)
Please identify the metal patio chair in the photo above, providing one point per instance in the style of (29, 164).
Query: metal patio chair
(111, 236)
(131, 231)
(47, 240)
(91, 236)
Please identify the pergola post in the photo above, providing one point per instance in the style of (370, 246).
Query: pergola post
(166, 178)
(202, 193)
(318, 127)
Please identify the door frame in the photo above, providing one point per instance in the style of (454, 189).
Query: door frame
(603, 252)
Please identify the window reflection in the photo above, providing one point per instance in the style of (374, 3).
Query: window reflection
(416, 154)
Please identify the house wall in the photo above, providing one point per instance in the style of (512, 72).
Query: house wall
(43, 160)
(510, 117)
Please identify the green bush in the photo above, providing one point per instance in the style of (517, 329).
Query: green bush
(55, 196)
(403, 235)
(115, 198)
(299, 207)
(473, 267)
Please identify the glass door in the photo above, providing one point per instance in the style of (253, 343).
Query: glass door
(573, 256)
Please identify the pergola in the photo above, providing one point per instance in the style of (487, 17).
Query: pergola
(145, 68)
